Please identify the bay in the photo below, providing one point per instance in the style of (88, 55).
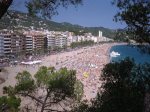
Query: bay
(132, 51)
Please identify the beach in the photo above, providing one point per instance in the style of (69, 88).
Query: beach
(87, 61)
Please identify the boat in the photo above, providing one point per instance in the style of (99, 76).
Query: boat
(114, 54)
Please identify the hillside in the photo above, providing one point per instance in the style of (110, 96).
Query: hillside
(18, 20)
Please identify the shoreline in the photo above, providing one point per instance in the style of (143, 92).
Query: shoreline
(88, 59)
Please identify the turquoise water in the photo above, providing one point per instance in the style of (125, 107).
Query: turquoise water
(130, 51)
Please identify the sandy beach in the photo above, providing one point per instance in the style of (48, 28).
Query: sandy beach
(88, 63)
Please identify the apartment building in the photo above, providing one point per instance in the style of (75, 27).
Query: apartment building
(95, 39)
(38, 41)
(11, 44)
(56, 40)
(50, 41)
(60, 41)
(28, 43)
(101, 38)
(17, 44)
(75, 39)
(1, 45)
(69, 40)
(7, 44)
(81, 38)
(34, 40)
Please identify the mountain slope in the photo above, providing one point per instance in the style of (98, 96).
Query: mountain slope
(19, 20)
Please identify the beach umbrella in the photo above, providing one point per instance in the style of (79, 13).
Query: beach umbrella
(85, 74)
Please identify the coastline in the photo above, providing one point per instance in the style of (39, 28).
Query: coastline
(88, 59)
(114, 44)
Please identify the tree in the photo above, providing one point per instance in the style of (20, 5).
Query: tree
(46, 8)
(4, 5)
(82, 43)
(136, 14)
(9, 104)
(125, 85)
(49, 88)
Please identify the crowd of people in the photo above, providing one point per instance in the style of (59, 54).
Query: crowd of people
(88, 63)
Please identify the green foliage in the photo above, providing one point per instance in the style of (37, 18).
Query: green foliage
(78, 90)
(124, 87)
(81, 44)
(121, 94)
(42, 76)
(82, 107)
(9, 104)
(4, 5)
(122, 36)
(47, 8)
(63, 80)
(136, 14)
(57, 86)
(9, 90)
(25, 82)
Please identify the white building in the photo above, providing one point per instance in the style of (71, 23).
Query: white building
(56, 40)
(100, 34)
(101, 38)
(29, 43)
(60, 41)
(69, 40)
(95, 39)
(75, 39)
(81, 38)
(50, 41)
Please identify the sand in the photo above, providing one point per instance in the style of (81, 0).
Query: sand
(87, 61)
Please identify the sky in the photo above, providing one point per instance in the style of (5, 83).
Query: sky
(92, 13)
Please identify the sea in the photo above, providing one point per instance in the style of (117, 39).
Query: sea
(140, 54)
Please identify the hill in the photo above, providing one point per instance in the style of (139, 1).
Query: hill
(18, 20)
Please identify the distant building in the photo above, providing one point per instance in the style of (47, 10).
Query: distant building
(14, 43)
(75, 39)
(57, 39)
(17, 44)
(28, 43)
(69, 40)
(95, 39)
(11, 44)
(101, 38)
(7, 44)
(38, 41)
(100, 34)
(1, 45)
(70, 37)
(81, 38)
(34, 40)
(50, 41)
(60, 41)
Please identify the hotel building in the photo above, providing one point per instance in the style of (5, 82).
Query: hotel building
(7, 43)
(28, 43)
(17, 44)
(34, 41)
(50, 41)
(56, 40)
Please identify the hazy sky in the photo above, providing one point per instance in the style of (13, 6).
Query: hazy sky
(91, 13)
